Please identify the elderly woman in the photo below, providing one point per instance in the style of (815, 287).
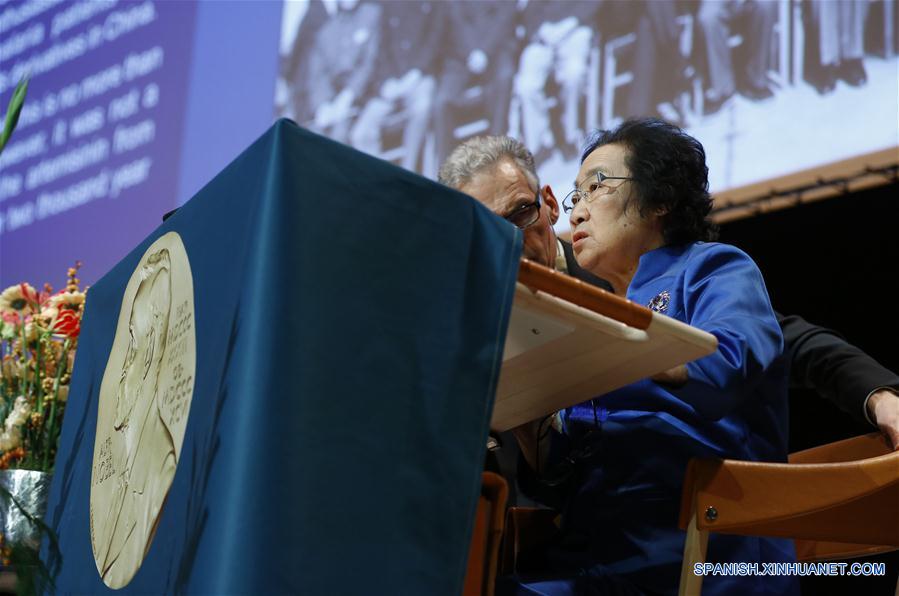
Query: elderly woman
(638, 219)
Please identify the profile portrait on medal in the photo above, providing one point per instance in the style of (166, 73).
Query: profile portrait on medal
(144, 401)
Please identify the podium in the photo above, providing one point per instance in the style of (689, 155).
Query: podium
(288, 386)
(349, 319)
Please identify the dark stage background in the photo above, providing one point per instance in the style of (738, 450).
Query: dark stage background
(833, 262)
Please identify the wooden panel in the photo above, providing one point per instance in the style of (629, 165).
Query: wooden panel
(779, 193)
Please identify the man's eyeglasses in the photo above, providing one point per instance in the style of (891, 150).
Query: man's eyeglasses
(595, 188)
(526, 215)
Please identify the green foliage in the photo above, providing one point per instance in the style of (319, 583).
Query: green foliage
(13, 111)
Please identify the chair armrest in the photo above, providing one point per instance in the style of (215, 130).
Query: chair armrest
(844, 502)
(854, 449)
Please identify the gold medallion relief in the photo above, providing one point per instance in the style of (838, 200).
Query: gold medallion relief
(145, 400)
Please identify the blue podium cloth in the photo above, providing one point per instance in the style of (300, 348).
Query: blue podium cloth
(350, 319)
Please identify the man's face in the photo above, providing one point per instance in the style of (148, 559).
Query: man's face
(504, 189)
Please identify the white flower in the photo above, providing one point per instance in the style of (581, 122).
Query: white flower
(11, 437)
(71, 300)
(49, 314)
(10, 440)
(18, 299)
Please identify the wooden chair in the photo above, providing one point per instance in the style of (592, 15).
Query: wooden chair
(486, 537)
(836, 501)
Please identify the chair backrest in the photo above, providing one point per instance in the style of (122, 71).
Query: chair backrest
(801, 499)
(486, 537)
(855, 449)
(836, 501)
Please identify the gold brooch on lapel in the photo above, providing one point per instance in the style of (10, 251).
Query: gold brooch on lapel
(660, 302)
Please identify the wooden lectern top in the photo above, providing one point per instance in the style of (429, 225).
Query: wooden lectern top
(569, 341)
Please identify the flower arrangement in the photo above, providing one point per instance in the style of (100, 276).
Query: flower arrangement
(38, 338)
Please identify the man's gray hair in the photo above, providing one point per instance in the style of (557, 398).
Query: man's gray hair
(482, 154)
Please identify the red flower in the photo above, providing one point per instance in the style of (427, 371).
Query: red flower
(67, 323)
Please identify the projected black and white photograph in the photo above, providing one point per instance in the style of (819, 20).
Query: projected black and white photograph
(769, 87)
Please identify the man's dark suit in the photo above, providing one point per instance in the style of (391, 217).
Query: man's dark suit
(821, 359)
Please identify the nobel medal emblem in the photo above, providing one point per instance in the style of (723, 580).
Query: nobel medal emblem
(145, 399)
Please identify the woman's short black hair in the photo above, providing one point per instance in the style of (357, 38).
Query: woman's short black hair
(670, 175)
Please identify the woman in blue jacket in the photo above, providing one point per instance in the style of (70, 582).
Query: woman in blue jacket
(638, 219)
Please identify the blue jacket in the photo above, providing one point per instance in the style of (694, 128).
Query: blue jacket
(632, 445)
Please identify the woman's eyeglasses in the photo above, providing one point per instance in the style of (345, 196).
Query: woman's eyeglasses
(596, 188)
